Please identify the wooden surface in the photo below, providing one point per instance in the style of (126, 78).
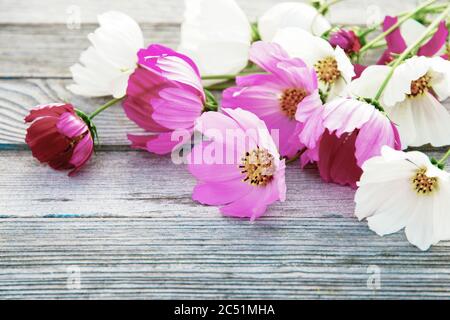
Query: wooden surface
(127, 224)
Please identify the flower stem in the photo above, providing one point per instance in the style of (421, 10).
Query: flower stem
(104, 107)
(442, 161)
(323, 10)
(296, 157)
(411, 49)
(400, 21)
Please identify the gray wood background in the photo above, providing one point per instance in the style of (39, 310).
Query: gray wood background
(127, 225)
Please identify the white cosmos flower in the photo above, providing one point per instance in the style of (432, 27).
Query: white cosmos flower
(216, 35)
(106, 65)
(412, 98)
(333, 67)
(291, 14)
(404, 190)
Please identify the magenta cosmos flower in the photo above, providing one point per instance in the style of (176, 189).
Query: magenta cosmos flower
(400, 38)
(277, 96)
(351, 132)
(59, 137)
(347, 40)
(164, 95)
(246, 173)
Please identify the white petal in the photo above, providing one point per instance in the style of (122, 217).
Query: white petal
(442, 210)
(105, 66)
(401, 114)
(410, 30)
(431, 121)
(291, 14)
(344, 65)
(301, 44)
(420, 229)
(399, 85)
(368, 84)
(440, 77)
(394, 212)
(216, 35)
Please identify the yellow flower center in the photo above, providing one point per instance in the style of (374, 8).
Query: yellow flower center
(258, 166)
(424, 184)
(290, 100)
(327, 70)
(420, 86)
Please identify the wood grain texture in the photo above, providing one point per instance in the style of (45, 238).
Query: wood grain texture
(128, 222)
(35, 41)
(139, 184)
(171, 11)
(18, 96)
(211, 257)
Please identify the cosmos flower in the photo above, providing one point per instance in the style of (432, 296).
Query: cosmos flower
(216, 35)
(164, 95)
(252, 180)
(412, 98)
(291, 14)
(404, 190)
(275, 97)
(402, 37)
(347, 40)
(105, 67)
(58, 137)
(352, 131)
(333, 67)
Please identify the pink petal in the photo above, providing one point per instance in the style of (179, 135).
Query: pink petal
(176, 108)
(227, 169)
(140, 141)
(82, 153)
(221, 193)
(71, 125)
(337, 162)
(435, 44)
(395, 41)
(375, 134)
(172, 65)
(359, 69)
(165, 143)
(50, 110)
(252, 206)
(142, 87)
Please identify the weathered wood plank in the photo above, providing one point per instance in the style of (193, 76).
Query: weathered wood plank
(140, 184)
(43, 46)
(171, 11)
(48, 51)
(210, 257)
(18, 96)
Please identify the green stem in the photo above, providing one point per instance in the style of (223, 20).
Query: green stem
(444, 158)
(104, 107)
(229, 76)
(411, 48)
(296, 157)
(400, 21)
(323, 10)
(220, 77)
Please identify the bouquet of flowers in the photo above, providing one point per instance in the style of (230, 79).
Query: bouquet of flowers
(238, 100)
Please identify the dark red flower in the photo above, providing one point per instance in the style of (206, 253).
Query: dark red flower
(347, 40)
(59, 137)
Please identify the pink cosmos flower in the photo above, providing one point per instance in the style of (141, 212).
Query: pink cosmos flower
(351, 132)
(164, 95)
(397, 41)
(246, 175)
(347, 40)
(59, 137)
(277, 96)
